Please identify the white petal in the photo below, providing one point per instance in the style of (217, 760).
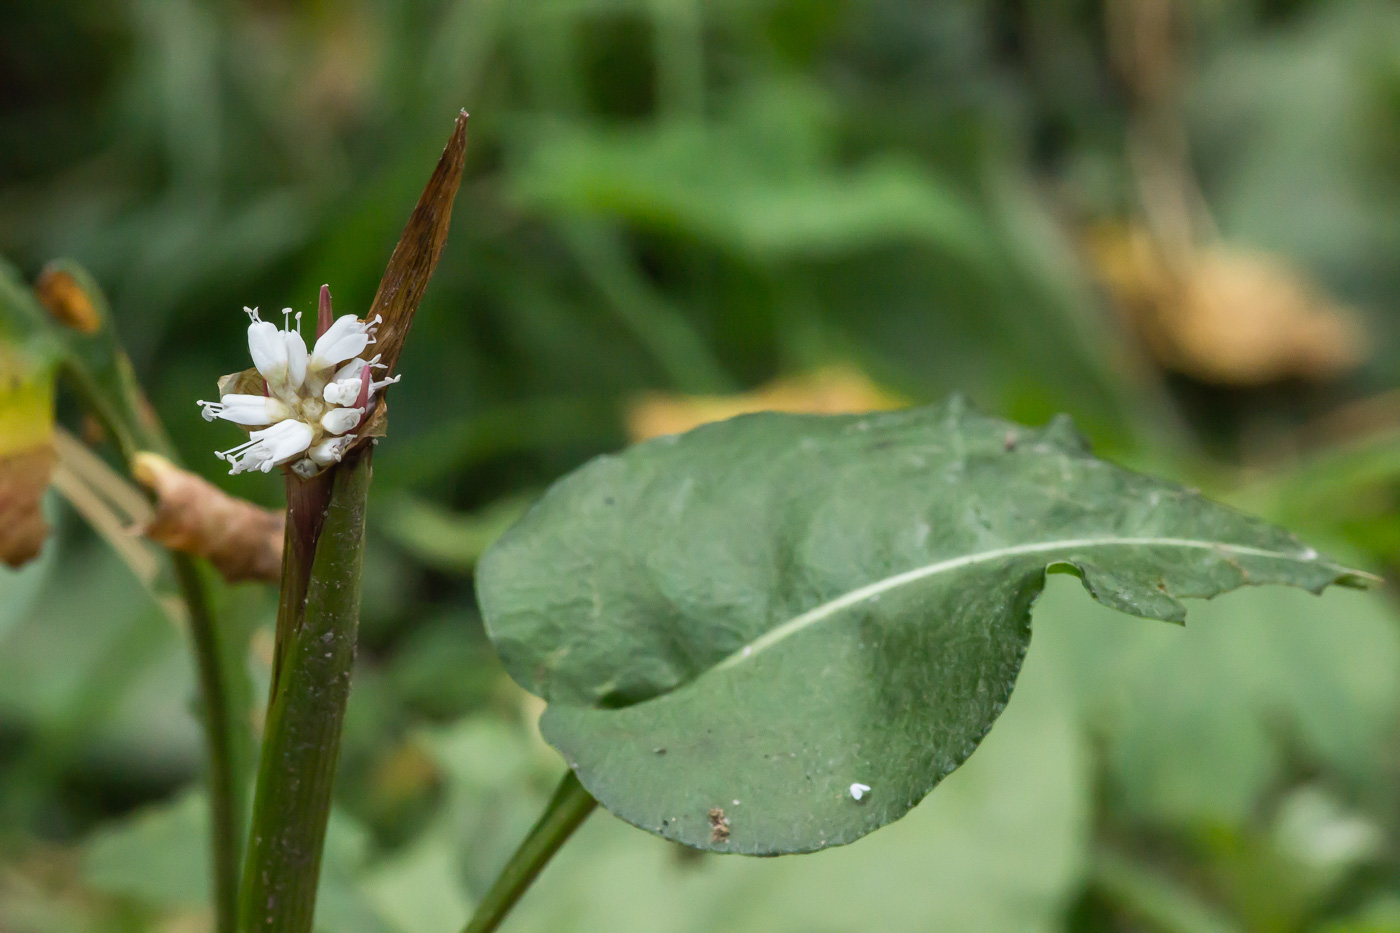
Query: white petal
(286, 437)
(340, 420)
(270, 446)
(296, 358)
(344, 339)
(350, 372)
(269, 351)
(329, 451)
(342, 391)
(246, 409)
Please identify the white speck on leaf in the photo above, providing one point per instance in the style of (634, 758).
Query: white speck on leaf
(859, 790)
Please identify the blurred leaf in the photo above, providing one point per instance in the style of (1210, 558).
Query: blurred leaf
(445, 668)
(758, 182)
(1196, 723)
(107, 697)
(1380, 915)
(1147, 894)
(459, 443)
(158, 856)
(420, 891)
(444, 539)
(922, 537)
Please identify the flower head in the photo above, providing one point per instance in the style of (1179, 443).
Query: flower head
(311, 401)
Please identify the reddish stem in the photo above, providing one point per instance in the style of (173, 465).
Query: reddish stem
(324, 317)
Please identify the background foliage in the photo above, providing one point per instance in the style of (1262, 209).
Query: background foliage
(669, 196)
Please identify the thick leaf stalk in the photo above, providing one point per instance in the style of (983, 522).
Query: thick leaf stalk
(307, 710)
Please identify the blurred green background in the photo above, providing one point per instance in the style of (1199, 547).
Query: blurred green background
(1179, 222)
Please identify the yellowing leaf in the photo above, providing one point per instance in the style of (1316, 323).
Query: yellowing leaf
(26, 454)
(835, 390)
(1225, 315)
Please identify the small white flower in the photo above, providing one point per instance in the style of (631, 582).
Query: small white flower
(267, 347)
(329, 451)
(252, 410)
(269, 447)
(344, 339)
(340, 420)
(859, 790)
(279, 354)
(309, 406)
(344, 387)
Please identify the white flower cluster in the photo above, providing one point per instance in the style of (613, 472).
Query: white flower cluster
(312, 401)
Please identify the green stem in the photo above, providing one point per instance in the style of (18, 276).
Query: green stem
(217, 664)
(225, 797)
(301, 746)
(566, 811)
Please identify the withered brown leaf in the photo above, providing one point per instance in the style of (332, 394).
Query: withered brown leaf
(23, 478)
(243, 541)
(419, 247)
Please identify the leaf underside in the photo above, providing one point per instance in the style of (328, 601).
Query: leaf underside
(734, 625)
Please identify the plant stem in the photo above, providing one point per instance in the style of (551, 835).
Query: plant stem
(301, 745)
(569, 807)
(225, 797)
(218, 664)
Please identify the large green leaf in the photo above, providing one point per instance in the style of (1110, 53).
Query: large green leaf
(736, 625)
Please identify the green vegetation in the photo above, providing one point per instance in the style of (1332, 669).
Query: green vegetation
(665, 199)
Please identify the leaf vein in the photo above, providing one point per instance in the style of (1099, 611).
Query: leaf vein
(871, 590)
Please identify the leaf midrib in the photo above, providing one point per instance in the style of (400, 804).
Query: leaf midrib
(831, 607)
